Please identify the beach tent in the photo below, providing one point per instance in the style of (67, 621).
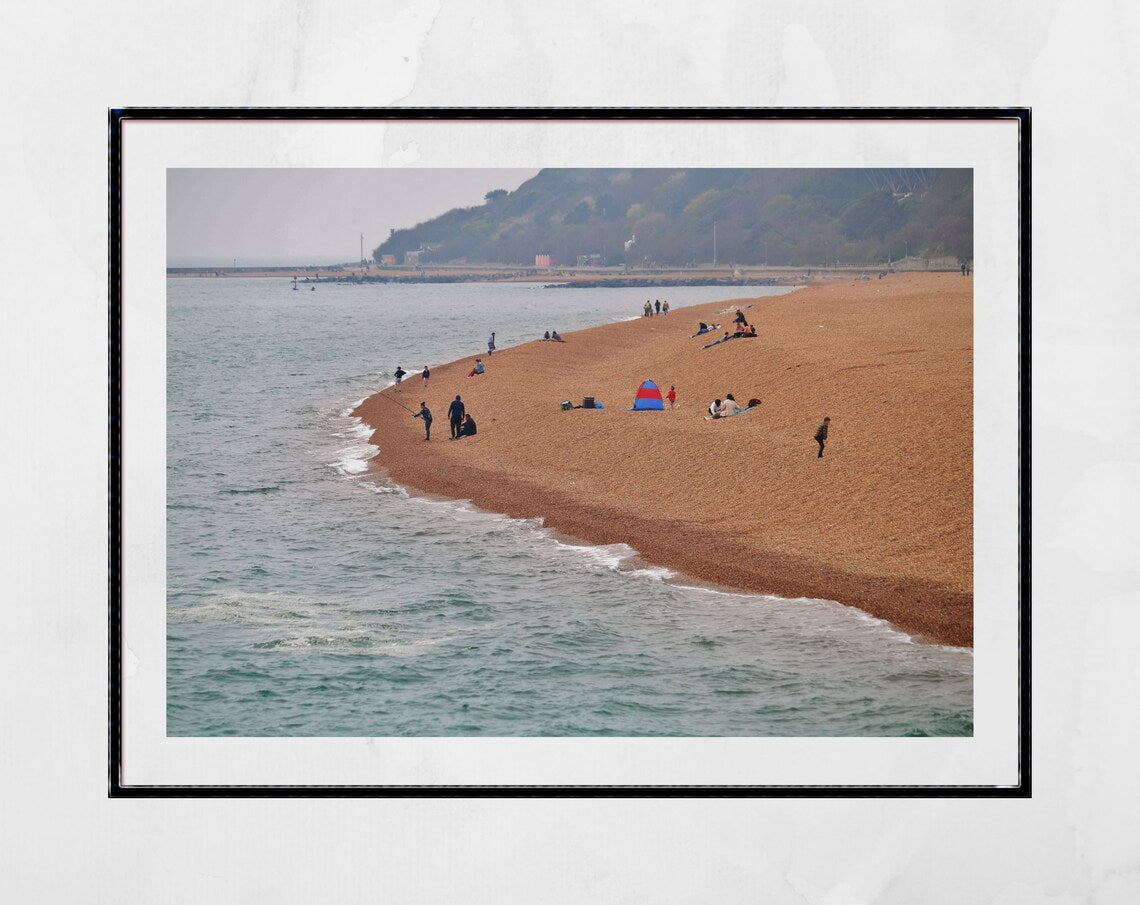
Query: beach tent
(648, 398)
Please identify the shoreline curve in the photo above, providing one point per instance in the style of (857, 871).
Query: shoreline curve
(882, 523)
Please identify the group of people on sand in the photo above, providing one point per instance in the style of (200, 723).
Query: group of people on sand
(741, 330)
(658, 307)
(553, 336)
(462, 424)
(729, 406)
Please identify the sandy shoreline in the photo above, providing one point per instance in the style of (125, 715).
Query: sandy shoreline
(883, 522)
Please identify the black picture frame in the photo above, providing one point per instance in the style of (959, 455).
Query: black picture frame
(118, 117)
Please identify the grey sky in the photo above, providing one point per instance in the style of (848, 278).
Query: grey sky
(303, 216)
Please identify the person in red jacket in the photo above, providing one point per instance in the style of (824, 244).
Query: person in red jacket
(671, 396)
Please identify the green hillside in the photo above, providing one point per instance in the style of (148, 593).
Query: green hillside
(761, 216)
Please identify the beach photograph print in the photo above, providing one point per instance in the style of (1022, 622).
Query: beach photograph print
(550, 452)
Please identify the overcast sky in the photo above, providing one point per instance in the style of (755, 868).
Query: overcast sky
(301, 216)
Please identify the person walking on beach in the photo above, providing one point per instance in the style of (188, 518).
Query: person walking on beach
(491, 344)
(425, 413)
(665, 307)
(647, 311)
(657, 305)
(455, 413)
(671, 396)
(400, 372)
(821, 436)
(426, 375)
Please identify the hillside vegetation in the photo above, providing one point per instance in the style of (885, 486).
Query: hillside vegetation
(658, 216)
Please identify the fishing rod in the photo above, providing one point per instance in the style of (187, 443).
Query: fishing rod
(400, 404)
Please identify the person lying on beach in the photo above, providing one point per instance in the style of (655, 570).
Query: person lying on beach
(727, 336)
(467, 430)
(478, 369)
(704, 328)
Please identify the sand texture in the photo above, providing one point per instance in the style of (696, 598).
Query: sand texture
(883, 522)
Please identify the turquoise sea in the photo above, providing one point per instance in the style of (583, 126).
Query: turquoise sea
(306, 597)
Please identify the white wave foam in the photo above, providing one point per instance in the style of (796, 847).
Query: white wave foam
(354, 459)
(385, 488)
(617, 558)
(237, 606)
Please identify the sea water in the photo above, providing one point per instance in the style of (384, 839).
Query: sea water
(309, 597)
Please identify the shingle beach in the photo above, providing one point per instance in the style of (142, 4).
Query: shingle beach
(883, 522)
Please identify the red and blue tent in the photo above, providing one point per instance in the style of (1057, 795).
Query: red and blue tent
(648, 398)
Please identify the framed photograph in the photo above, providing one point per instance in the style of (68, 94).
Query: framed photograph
(562, 452)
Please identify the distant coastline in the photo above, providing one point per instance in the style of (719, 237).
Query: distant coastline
(569, 278)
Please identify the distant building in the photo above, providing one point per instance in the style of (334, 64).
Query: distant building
(387, 259)
(591, 261)
(545, 261)
(411, 257)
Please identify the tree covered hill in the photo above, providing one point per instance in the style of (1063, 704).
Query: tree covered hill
(762, 216)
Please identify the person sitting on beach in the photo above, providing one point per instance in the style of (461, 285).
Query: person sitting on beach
(478, 369)
(399, 375)
(751, 330)
(556, 336)
(546, 335)
(714, 409)
(467, 430)
(425, 413)
(729, 407)
(740, 330)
